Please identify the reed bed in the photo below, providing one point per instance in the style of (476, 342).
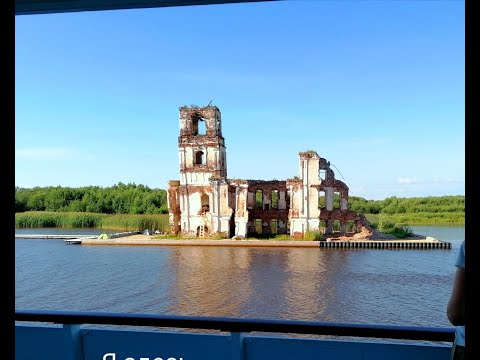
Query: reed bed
(121, 222)
(153, 222)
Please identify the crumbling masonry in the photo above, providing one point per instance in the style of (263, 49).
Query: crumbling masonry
(205, 202)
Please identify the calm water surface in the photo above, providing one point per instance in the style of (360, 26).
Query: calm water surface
(372, 286)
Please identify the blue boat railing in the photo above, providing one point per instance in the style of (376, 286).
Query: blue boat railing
(236, 325)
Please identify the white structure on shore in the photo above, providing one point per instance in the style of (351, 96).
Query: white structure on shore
(205, 202)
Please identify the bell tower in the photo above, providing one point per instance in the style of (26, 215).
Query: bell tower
(201, 146)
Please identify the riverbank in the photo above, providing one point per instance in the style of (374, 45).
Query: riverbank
(379, 240)
(139, 240)
(50, 219)
(149, 240)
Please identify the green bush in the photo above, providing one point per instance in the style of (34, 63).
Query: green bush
(313, 236)
(402, 231)
(386, 225)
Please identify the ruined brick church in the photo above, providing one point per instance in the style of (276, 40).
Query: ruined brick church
(205, 201)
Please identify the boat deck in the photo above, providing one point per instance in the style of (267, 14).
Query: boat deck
(171, 337)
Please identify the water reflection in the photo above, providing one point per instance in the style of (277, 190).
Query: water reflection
(294, 283)
(209, 280)
(398, 287)
(310, 285)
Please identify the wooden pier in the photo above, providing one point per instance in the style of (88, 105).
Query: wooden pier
(43, 236)
(73, 241)
(72, 238)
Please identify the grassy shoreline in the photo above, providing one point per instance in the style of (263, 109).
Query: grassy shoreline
(134, 222)
(416, 219)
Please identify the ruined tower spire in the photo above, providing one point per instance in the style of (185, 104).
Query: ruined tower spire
(201, 146)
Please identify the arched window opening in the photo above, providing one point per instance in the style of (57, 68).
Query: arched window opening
(275, 197)
(259, 199)
(274, 226)
(195, 118)
(350, 226)
(322, 226)
(336, 200)
(198, 125)
(321, 199)
(321, 174)
(258, 226)
(201, 126)
(199, 158)
(205, 200)
(336, 225)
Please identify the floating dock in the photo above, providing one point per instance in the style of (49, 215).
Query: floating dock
(405, 244)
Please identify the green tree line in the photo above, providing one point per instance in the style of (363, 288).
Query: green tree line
(117, 199)
(395, 205)
(140, 199)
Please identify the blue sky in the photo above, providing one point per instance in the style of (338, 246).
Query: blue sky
(375, 87)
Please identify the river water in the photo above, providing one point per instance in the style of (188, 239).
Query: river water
(371, 286)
